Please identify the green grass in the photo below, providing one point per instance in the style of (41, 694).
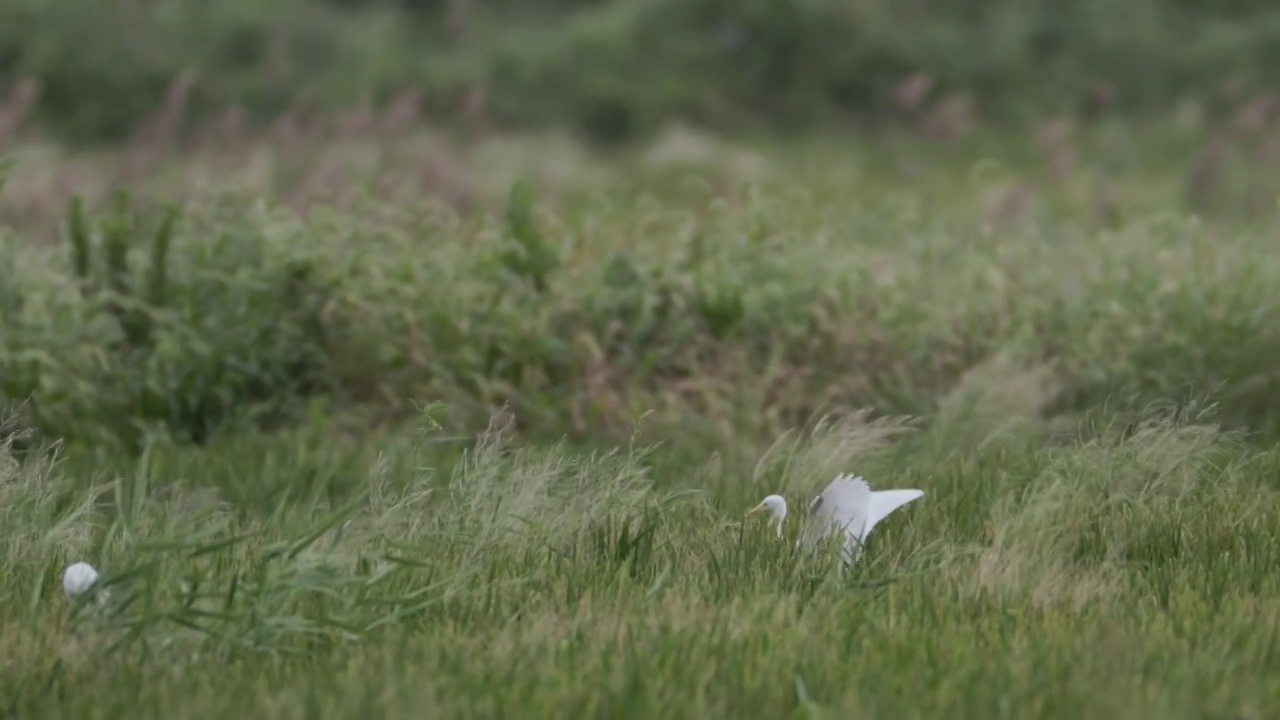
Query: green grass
(1128, 572)
(223, 417)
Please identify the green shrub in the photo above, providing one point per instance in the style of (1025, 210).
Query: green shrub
(177, 327)
(735, 318)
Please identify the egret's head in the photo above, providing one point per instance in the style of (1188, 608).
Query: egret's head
(775, 505)
(78, 578)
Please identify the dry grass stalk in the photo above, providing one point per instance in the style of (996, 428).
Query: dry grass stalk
(16, 108)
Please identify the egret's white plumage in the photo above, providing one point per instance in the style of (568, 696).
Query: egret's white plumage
(78, 578)
(848, 506)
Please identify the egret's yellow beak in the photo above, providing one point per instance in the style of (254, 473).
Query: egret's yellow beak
(756, 509)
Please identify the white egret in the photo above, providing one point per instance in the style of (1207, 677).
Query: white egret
(78, 578)
(847, 505)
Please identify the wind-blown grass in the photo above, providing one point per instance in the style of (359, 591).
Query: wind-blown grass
(1124, 570)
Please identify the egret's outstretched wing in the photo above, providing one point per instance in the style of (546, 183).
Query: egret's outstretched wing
(843, 507)
(885, 502)
(849, 507)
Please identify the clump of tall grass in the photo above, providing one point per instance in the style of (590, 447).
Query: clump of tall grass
(184, 565)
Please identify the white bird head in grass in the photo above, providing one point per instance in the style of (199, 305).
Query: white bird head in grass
(847, 506)
(78, 578)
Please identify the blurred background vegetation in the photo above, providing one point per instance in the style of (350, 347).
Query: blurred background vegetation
(616, 69)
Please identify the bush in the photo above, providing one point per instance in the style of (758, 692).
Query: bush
(736, 312)
(176, 324)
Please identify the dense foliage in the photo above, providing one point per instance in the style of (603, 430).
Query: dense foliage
(614, 69)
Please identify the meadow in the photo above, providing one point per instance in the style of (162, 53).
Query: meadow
(368, 424)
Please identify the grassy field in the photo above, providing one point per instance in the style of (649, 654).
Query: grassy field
(369, 430)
